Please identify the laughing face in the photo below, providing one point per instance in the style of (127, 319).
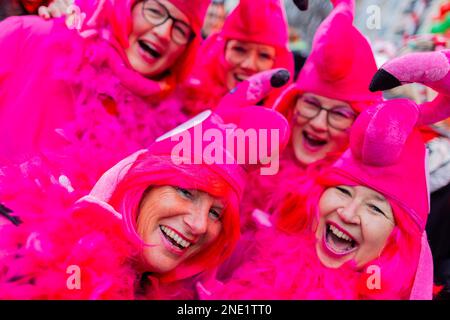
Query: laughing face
(151, 50)
(246, 59)
(178, 223)
(354, 224)
(313, 137)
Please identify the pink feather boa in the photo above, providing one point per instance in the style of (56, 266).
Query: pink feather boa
(55, 234)
(280, 266)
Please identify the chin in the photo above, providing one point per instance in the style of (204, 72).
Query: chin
(304, 158)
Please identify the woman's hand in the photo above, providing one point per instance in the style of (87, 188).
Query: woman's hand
(56, 9)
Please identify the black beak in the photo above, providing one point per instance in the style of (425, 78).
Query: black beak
(6, 212)
(383, 80)
(302, 5)
(280, 78)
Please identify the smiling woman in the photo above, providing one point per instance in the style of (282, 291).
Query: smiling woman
(359, 232)
(360, 214)
(254, 38)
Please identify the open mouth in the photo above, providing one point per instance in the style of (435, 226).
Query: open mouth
(174, 238)
(339, 242)
(152, 52)
(240, 77)
(313, 141)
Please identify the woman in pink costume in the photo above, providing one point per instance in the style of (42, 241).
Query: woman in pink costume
(331, 90)
(88, 91)
(360, 234)
(254, 38)
(152, 226)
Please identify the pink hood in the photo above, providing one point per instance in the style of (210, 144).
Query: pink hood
(340, 66)
(388, 155)
(111, 19)
(262, 22)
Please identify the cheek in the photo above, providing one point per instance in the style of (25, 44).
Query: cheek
(229, 78)
(375, 234)
(139, 26)
(327, 204)
(270, 66)
(146, 226)
(214, 231)
(174, 52)
(340, 140)
(153, 213)
(297, 135)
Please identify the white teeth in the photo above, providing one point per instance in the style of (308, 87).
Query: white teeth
(339, 233)
(175, 237)
(240, 77)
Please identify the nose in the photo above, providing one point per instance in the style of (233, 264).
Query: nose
(250, 62)
(320, 122)
(349, 213)
(163, 31)
(197, 220)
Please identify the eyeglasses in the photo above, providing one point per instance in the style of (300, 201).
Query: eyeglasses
(236, 53)
(339, 118)
(157, 14)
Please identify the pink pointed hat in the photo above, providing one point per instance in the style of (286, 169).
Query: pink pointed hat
(201, 145)
(340, 66)
(387, 152)
(261, 21)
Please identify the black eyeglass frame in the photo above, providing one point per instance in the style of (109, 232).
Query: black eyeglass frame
(319, 108)
(192, 34)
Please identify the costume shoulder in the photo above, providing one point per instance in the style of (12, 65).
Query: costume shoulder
(58, 241)
(22, 37)
(25, 26)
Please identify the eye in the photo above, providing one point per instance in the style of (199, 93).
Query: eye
(215, 214)
(342, 113)
(344, 191)
(239, 49)
(265, 56)
(182, 29)
(185, 192)
(155, 12)
(376, 209)
(311, 103)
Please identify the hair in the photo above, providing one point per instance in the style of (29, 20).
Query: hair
(161, 171)
(298, 212)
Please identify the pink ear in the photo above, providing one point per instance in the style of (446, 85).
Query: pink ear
(333, 44)
(350, 4)
(379, 133)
